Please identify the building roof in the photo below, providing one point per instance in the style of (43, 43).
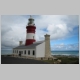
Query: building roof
(32, 46)
(38, 42)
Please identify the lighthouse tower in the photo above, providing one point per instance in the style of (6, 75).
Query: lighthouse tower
(30, 30)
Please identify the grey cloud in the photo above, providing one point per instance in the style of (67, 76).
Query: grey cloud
(14, 27)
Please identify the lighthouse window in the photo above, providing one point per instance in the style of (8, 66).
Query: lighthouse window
(28, 52)
(33, 52)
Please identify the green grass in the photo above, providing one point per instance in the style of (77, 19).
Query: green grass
(71, 60)
(65, 60)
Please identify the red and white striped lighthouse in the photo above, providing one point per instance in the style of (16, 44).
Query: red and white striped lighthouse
(30, 31)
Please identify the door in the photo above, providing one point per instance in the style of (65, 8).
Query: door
(20, 52)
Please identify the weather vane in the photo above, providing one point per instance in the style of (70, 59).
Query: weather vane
(30, 16)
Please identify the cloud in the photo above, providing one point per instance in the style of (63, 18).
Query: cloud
(12, 30)
(58, 26)
(13, 27)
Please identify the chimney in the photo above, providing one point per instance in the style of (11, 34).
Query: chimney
(20, 43)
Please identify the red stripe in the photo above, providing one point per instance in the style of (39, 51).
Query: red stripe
(29, 41)
(27, 27)
(30, 29)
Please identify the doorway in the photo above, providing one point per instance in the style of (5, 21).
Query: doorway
(20, 53)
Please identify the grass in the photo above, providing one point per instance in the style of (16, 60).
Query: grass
(69, 60)
(64, 60)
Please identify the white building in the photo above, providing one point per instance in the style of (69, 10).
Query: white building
(31, 48)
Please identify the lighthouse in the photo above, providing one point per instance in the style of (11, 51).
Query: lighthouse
(30, 30)
(33, 48)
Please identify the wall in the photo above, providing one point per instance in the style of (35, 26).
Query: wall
(40, 50)
(15, 52)
(30, 36)
(47, 46)
(31, 52)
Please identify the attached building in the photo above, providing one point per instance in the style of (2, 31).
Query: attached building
(34, 50)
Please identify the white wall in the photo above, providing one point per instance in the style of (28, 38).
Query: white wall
(21, 50)
(40, 50)
(15, 52)
(30, 35)
(31, 53)
(23, 54)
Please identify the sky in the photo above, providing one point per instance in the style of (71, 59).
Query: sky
(63, 30)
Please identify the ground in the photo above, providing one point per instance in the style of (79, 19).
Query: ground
(59, 60)
(69, 59)
(15, 60)
(64, 60)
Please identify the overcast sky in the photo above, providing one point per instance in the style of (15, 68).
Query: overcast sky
(63, 30)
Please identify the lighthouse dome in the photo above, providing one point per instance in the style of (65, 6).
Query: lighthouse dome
(31, 21)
